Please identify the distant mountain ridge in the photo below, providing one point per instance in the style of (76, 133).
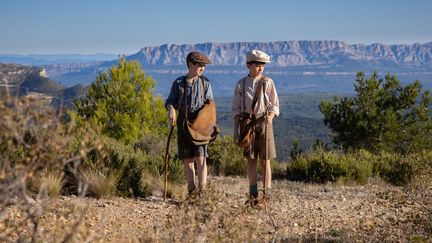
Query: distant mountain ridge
(290, 53)
(296, 66)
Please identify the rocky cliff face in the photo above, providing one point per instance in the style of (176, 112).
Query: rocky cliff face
(33, 81)
(291, 53)
(15, 74)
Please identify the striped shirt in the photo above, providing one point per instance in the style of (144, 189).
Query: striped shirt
(195, 95)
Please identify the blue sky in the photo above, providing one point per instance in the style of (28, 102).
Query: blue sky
(123, 27)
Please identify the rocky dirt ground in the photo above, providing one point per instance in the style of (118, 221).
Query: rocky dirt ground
(299, 212)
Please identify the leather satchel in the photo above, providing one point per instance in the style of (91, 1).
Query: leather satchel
(246, 131)
(203, 128)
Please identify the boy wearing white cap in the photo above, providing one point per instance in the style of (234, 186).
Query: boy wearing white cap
(255, 99)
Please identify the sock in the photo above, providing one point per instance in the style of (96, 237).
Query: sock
(191, 187)
(253, 190)
(268, 191)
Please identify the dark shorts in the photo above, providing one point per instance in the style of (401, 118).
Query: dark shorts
(258, 148)
(187, 150)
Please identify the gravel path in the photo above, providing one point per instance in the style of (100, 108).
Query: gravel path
(318, 213)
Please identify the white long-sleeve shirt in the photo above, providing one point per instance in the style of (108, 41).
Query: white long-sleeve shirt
(250, 87)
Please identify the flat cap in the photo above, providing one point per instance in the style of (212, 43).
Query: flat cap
(197, 57)
(257, 56)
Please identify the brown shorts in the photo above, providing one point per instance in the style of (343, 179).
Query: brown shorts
(258, 148)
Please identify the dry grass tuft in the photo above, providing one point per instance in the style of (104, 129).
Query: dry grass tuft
(99, 183)
(51, 184)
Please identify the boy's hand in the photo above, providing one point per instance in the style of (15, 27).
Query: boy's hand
(236, 134)
(270, 117)
(171, 115)
(235, 137)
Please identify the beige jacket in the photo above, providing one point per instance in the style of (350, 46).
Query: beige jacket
(271, 97)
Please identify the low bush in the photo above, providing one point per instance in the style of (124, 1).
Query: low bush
(278, 170)
(225, 158)
(404, 169)
(322, 166)
(133, 164)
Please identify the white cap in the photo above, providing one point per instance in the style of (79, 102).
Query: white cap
(257, 56)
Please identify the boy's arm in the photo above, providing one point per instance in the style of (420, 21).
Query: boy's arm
(171, 104)
(208, 92)
(273, 108)
(235, 112)
(236, 129)
(270, 117)
(236, 102)
(172, 99)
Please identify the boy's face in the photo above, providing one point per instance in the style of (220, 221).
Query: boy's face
(196, 69)
(255, 68)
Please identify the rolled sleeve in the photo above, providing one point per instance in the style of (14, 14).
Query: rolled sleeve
(173, 96)
(208, 92)
(273, 99)
(236, 102)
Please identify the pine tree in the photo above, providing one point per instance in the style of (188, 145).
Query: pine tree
(121, 103)
(383, 115)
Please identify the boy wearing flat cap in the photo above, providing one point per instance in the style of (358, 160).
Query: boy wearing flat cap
(187, 95)
(255, 97)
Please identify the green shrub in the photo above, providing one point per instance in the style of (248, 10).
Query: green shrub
(297, 170)
(322, 166)
(130, 164)
(278, 170)
(225, 158)
(134, 163)
(402, 169)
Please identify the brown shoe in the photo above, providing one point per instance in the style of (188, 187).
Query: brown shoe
(264, 203)
(192, 195)
(252, 202)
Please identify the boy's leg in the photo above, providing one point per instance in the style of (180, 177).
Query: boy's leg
(189, 170)
(266, 166)
(252, 176)
(202, 172)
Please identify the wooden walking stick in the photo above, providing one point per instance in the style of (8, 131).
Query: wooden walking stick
(166, 162)
(265, 161)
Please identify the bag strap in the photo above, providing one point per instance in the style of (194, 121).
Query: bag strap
(184, 95)
(258, 90)
(256, 95)
(243, 95)
(202, 92)
(202, 89)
